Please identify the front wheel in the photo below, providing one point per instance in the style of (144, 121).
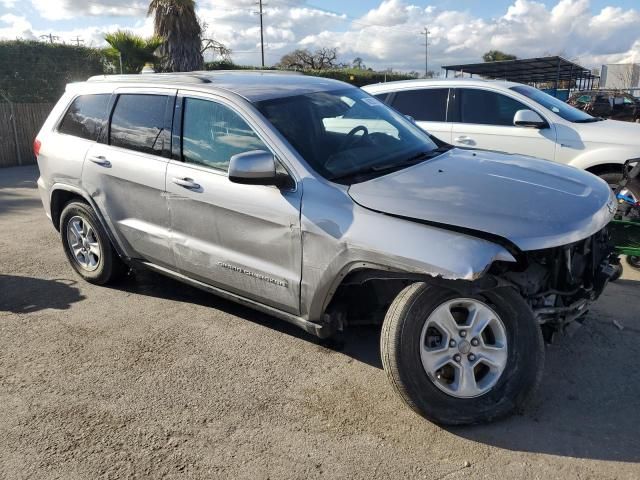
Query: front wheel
(462, 359)
(634, 261)
(631, 190)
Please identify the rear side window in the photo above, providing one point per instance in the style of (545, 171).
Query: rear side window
(138, 123)
(86, 116)
(213, 133)
(488, 108)
(426, 105)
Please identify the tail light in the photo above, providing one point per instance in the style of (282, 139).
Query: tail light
(36, 147)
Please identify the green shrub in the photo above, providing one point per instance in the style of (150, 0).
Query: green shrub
(37, 72)
(354, 76)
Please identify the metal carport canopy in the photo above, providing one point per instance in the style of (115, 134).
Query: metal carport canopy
(528, 70)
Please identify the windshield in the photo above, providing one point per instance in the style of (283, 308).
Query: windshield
(347, 135)
(558, 107)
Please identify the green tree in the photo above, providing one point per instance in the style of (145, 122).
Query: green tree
(497, 56)
(176, 22)
(134, 50)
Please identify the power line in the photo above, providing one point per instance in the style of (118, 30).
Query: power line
(51, 37)
(426, 33)
(261, 13)
(77, 41)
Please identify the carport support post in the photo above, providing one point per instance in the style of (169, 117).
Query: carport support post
(555, 90)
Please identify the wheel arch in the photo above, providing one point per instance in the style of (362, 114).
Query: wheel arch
(62, 195)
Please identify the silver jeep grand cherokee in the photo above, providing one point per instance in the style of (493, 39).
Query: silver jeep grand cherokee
(310, 200)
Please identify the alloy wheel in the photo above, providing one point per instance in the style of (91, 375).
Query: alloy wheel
(463, 347)
(83, 243)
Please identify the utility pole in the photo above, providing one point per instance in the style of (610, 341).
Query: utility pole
(50, 37)
(77, 41)
(426, 33)
(261, 13)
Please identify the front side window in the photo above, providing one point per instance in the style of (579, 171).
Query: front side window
(213, 133)
(558, 107)
(86, 116)
(425, 105)
(138, 123)
(346, 135)
(483, 107)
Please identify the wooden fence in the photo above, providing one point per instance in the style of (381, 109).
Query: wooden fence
(29, 118)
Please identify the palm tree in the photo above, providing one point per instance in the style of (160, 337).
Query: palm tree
(175, 21)
(133, 50)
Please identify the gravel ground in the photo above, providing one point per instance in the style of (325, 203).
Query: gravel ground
(155, 379)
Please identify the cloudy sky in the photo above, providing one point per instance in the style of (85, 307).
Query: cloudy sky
(385, 33)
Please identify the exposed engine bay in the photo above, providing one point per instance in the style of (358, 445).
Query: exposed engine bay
(559, 283)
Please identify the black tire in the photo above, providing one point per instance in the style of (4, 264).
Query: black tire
(634, 261)
(400, 351)
(617, 272)
(614, 178)
(109, 266)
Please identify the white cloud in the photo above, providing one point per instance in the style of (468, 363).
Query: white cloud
(68, 9)
(386, 36)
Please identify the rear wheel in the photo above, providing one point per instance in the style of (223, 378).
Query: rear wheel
(87, 245)
(462, 359)
(634, 261)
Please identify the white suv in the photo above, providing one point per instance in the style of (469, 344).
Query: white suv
(514, 118)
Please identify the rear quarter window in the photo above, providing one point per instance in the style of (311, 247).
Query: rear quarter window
(86, 116)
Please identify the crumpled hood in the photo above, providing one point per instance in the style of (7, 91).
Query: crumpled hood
(533, 203)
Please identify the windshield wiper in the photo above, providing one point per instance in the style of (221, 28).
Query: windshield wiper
(390, 167)
(414, 159)
(589, 120)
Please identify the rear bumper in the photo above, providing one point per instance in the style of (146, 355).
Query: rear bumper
(45, 196)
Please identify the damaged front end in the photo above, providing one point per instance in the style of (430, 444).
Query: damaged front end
(559, 283)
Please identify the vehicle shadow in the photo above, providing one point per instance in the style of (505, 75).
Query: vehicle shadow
(28, 294)
(359, 343)
(586, 407)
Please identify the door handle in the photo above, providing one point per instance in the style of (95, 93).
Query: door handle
(100, 160)
(186, 183)
(464, 139)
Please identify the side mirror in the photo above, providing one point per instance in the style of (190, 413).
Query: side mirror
(254, 168)
(528, 118)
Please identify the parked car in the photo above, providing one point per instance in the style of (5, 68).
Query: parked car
(515, 118)
(248, 185)
(612, 104)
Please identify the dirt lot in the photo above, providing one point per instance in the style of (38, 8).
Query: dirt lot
(154, 379)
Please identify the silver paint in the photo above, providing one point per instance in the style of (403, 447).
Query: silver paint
(309, 238)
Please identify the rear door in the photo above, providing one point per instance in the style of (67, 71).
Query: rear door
(484, 119)
(428, 107)
(125, 172)
(241, 238)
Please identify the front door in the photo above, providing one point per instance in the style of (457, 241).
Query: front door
(485, 120)
(241, 238)
(125, 173)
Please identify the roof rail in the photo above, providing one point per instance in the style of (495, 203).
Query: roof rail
(206, 76)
